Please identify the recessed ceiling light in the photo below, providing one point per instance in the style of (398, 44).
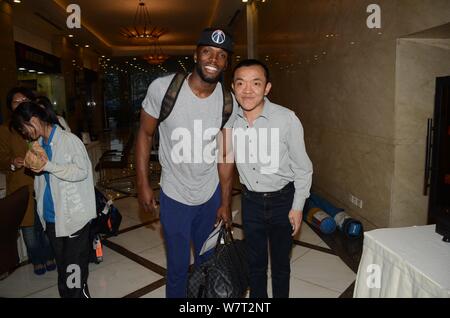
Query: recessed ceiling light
(31, 71)
(40, 73)
(17, 1)
(70, 35)
(22, 69)
(87, 45)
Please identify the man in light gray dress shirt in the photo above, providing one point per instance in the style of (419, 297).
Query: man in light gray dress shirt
(276, 174)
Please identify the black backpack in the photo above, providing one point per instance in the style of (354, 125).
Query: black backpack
(172, 94)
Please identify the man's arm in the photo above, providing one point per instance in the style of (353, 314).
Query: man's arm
(226, 168)
(302, 167)
(148, 126)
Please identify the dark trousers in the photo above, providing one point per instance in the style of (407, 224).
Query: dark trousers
(183, 224)
(266, 224)
(72, 260)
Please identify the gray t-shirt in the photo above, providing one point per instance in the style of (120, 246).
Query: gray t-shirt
(187, 141)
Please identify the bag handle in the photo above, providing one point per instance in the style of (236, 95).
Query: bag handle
(225, 234)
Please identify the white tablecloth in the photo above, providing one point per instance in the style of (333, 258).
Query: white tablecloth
(412, 262)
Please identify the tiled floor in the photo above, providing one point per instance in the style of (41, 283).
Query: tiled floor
(134, 262)
(314, 273)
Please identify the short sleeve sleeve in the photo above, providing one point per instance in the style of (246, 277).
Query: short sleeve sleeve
(155, 94)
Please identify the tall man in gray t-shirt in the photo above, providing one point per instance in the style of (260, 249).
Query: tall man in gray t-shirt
(191, 200)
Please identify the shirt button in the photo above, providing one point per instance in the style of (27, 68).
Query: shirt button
(257, 182)
(254, 168)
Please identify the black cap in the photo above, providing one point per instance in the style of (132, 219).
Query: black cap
(217, 38)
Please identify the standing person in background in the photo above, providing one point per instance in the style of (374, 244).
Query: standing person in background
(12, 153)
(65, 195)
(274, 192)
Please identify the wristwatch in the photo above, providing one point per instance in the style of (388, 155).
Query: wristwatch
(13, 167)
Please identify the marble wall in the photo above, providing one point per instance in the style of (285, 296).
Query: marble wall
(340, 78)
(419, 62)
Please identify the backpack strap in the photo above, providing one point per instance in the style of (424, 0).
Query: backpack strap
(171, 96)
(227, 106)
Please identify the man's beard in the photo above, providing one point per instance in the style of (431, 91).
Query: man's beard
(200, 73)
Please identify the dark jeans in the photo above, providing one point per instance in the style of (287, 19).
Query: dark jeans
(265, 221)
(183, 224)
(72, 260)
(37, 243)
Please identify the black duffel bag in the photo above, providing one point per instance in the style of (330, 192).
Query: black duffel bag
(225, 274)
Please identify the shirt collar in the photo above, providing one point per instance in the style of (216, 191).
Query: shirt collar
(50, 138)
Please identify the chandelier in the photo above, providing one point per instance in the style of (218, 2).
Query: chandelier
(142, 26)
(156, 55)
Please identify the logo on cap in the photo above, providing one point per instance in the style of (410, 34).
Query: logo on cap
(218, 37)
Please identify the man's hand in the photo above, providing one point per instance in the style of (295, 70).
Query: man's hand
(146, 198)
(224, 214)
(295, 217)
(18, 162)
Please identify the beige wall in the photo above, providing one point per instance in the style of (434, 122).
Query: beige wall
(419, 62)
(346, 98)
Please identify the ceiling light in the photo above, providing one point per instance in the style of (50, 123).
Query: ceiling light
(156, 55)
(142, 26)
(87, 45)
(70, 35)
(40, 73)
(31, 71)
(22, 69)
(17, 1)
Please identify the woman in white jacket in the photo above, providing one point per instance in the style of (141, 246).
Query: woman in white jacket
(65, 194)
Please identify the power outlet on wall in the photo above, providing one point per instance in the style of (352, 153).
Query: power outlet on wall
(355, 201)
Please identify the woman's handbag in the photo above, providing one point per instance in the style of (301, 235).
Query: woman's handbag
(225, 274)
